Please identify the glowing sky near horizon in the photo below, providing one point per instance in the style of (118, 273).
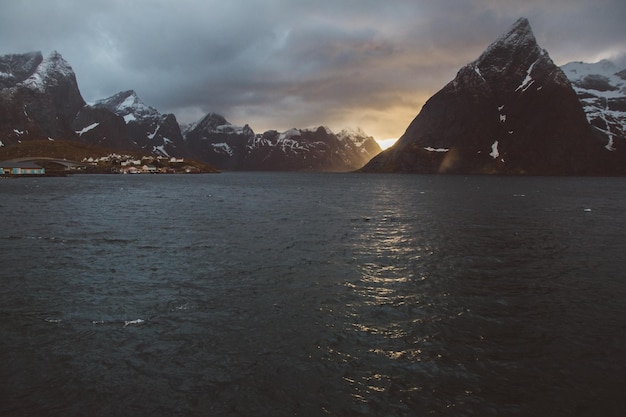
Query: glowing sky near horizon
(278, 64)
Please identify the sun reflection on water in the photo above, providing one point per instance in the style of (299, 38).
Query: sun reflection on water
(392, 313)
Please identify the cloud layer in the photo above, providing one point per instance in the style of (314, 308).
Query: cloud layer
(281, 63)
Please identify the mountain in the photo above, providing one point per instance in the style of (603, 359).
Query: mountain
(511, 111)
(40, 99)
(101, 127)
(363, 146)
(601, 88)
(150, 130)
(316, 149)
(216, 141)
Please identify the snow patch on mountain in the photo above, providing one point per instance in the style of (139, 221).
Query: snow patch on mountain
(149, 129)
(494, 150)
(223, 147)
(153, 134)
(128, 105)
(358, 137)
(601, 89)
(48, 73)
(289, 134)
(528, 81)
(477, 71)
(160, 150)
(227, 146)
(87, 129)
(130, 101)
(15, 68)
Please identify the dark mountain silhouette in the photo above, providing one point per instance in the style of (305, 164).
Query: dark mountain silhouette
(148, 129)
(216, 141)
(40, 99)
(512, 111)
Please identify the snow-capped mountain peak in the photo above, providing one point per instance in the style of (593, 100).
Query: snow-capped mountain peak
(214, 123)
(511, 111)
(49, 72)
(149, 129)
(291, 133)
(601, 89)
(128, 105)
(220, 143)
(515, 49)
(603, 76)
(352, 133)
(208, 123)
(15, 68)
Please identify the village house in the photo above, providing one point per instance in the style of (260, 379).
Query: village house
(21, 168)
(130, 170)
(149, 169)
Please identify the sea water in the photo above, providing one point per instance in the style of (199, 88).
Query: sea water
(293, 294)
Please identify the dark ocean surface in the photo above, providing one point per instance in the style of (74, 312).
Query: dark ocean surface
(274, 294)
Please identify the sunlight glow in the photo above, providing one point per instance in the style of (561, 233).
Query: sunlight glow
(386, 143)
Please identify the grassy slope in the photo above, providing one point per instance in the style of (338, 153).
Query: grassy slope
(70, 150)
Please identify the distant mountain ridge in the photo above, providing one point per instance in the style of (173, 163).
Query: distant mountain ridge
(40, 99)
(218, 142)
(214, 140)
(511, 111)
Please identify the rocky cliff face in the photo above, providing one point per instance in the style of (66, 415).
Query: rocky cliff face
(511, 111)
(215, 141)
(16, 68)
(601, 88)
(39, 99)
(101, 127)
(148, 129)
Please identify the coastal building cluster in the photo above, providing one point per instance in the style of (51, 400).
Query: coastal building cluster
(128, 164)
(113, 164)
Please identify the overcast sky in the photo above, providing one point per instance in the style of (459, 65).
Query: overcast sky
(277, 64)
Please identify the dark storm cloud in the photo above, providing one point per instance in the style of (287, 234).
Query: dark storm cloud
(282, 63)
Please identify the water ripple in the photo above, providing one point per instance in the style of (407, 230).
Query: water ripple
(311, 294)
